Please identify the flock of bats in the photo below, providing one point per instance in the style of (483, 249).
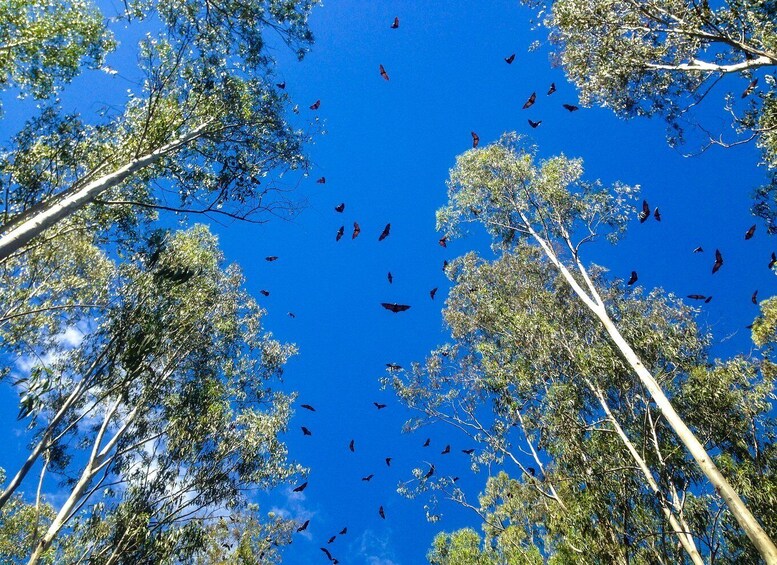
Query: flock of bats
(394, 307)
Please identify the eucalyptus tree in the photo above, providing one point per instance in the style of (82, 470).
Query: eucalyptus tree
(163, 412)
(546, 209)
(205, 124)
(44, 43)
(664, 57)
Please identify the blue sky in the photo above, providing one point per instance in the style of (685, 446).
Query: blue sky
(385, 151)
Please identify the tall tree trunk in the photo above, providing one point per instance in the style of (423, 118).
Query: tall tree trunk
(763, 544)
(35, 221)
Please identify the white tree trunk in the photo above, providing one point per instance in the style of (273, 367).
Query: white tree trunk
(49, 213)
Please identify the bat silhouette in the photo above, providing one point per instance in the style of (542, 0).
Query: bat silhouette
(308, 407)
(395, 25)
(304, 526)
(316, 105)
(698, 250)
(446, 451)
(570, 107)
(657, 214)
(750, 232)
(385, 233)
(368, 478)
(265, 292)
(390, 278)
(718, 262)
(356, 230)
(645, 213)
(340, 233)
(475, 139)
(430, 472)
(340, 207)
(433, 292)
(306, 431)
(291, 314)
(535, 124)
(773, 262)
(322, 180)
(468, 451)
(271, 258)
(707, 300)
(333, 538)
(754, 298)
(351, 446)
(552, 88)
(426, 443)
(382, 513)
(750, 87)
(443, 241)
(300, 488)
(394, 307)
(509, 60)
(326, 552)
(530, 101)
(379, 406)
(383, 73)
(388, 461)
(697, 297)
(632, 279)
(281, 85)
(344, 531)
(393, 367)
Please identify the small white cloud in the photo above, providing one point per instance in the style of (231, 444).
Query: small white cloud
(373, 548)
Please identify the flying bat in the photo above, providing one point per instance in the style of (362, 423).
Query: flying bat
(306, 431)
(368, 478)
(301, 487)
(356, 230)
(308, 407)
(340, 233)
(509, 60)
(750, 88)
(383, 73)
(382, 513)
(326, 552)
(426, 443)
(707, 300)
(394, 307)
(468, 451)
(351, 446)
(718, 262)
(570, 107)
(340, 207)
(322, 180)
(265, 292)
(535, 124)
(430, 472)
(393, 367)
(645, 213)
(281, 85)
(344, 531)
(530, 101)
(552, 88)
(443, 241)
(754, 298)
(657, 214)
(333, 538)
(388, 461)
(475, 139)
(750, 232)
(303, 526)
(316, 105)
(271, 258)
(395, 25)
(446, 451)
(385, 233)
(390, 277)
(698, 250)
(773, 262)
(433, 292)
(697, 297)
(632, 279)
(379, 406)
